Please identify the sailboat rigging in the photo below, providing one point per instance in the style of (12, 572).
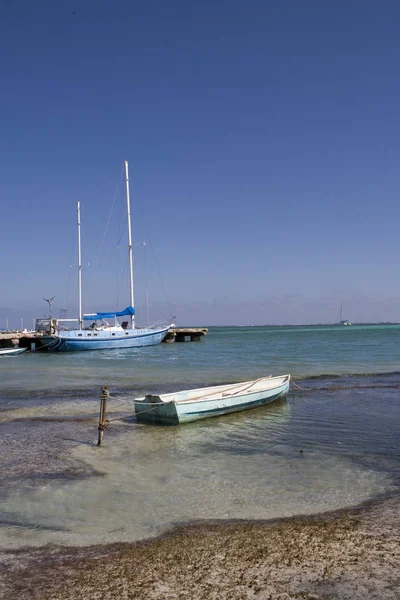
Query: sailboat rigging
(100, 335)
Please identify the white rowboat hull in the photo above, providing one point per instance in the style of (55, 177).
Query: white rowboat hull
(192, 405)
(11, 351)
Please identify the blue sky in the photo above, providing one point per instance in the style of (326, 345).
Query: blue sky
(263, 141)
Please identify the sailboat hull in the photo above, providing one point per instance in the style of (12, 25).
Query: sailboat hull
(83, 340)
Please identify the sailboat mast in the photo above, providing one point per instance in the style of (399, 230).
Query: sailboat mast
(128, 208)
(79, 266)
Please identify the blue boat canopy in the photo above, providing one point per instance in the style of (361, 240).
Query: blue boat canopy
(129, 310)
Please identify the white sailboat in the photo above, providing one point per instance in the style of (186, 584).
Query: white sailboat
(101, 335)
(342, 321)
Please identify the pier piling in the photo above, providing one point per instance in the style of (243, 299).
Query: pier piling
(103, 408)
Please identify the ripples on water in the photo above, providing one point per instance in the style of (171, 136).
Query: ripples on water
(333, 444)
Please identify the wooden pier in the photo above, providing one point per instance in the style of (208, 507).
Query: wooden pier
(32, 340)
(10, 339)
(181, 334)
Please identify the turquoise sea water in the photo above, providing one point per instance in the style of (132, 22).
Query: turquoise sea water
(334, 443)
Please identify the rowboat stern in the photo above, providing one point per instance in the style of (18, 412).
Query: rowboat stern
(152, 410)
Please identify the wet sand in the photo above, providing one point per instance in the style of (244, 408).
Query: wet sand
(350, 554)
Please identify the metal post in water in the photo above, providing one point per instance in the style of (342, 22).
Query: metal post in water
(103, 408)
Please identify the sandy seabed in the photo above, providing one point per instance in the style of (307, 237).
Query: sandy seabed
(350, 554)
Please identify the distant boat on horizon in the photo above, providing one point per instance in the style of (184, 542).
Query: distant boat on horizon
(342, 321)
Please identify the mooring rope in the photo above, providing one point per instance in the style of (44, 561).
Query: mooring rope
(41, 347)
(301, 388)
(154, 404)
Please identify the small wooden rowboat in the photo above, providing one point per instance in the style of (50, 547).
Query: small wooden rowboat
(11, 351)
(191, 405)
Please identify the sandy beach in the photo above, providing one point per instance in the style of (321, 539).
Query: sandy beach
(350, 554)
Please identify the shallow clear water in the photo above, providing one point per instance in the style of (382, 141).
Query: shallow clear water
(333, 444)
